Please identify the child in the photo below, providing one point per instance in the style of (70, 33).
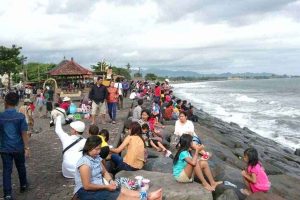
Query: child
(104, 135)
(28, 112)
(39, 104)
(255, 176)
(155, 142)
(185, 165)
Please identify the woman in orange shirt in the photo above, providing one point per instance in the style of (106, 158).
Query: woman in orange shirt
(112, 100)
(135, 156)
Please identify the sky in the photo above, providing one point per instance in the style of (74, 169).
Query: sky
(206, 36)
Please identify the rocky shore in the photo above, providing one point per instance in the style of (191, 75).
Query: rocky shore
(227, 142)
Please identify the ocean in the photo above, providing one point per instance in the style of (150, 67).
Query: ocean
(269, 107)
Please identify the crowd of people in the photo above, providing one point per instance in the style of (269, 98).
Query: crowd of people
(85, 159)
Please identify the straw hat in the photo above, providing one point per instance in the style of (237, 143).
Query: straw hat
(66, 99)
(27, 101)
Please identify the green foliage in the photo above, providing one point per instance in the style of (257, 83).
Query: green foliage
(100, 66)
(10, 60)
(150, 76)
(121, 71)
(38, 71)
(116, 70)
(137, 75)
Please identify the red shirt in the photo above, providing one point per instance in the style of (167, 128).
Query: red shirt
(168, 112)
(113, 95)
(151, 121)
(157, 91)
(65, 105)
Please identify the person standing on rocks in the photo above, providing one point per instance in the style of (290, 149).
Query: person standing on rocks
(98, 95)
(13, 144)
(72, 145)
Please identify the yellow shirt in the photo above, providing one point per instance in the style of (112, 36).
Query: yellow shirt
(135, 152)
(104, 143)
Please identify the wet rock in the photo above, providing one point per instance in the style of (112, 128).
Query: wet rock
(297, 152)
(228, 194)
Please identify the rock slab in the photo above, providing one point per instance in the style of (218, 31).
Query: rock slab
(171, 189)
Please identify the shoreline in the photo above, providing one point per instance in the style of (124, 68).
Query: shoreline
(227, 142)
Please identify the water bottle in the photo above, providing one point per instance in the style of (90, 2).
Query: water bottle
(230, 184)
(143, 194)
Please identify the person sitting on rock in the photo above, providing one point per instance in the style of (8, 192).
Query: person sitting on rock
(90, 175)
(72, 145)
(137, 111)
(104, 136)
(66, 104)
(186, 164)
(168, 111)
(255, 176)
(185, 126)
(154, 141)
(135, 156)
(59, 112)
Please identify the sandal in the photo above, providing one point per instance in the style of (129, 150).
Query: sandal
(245, 192)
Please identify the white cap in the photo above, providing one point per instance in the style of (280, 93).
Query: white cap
(167, 80)
(66, 99)
(78, 126)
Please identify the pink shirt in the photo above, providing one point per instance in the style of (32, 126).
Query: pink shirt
(262, 182)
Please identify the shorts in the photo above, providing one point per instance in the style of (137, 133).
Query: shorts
(49, 106)
(183, 178)
(102, 108)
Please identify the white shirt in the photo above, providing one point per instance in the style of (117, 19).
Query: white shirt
(58, 112)
(186, 128)
(136, 113)
(119, 86)
(72, 155)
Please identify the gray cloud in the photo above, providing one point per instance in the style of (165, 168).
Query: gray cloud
(230, 11)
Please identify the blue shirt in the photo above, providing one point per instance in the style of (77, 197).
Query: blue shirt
(181, 163)
(12, 125)
(95, 171)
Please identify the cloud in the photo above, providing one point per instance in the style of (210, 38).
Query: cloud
(229, 11)
(202, 35)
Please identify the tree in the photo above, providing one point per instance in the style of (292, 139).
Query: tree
(150, 76)
(121, 71)
(10, 60)
(100, 66)
(38, 71)
(138, 75)
(128, 67)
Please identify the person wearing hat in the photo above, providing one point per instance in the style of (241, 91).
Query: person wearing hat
(66, 103)
(27, 111)
(72, 145)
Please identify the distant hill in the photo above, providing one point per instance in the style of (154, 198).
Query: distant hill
(183, 73)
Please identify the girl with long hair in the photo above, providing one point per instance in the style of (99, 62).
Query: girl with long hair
(186, 164)
(135, 145)
(255, 176)
(90, 171)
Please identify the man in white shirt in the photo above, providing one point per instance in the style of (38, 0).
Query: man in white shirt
(73, 154)
(58, 112)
